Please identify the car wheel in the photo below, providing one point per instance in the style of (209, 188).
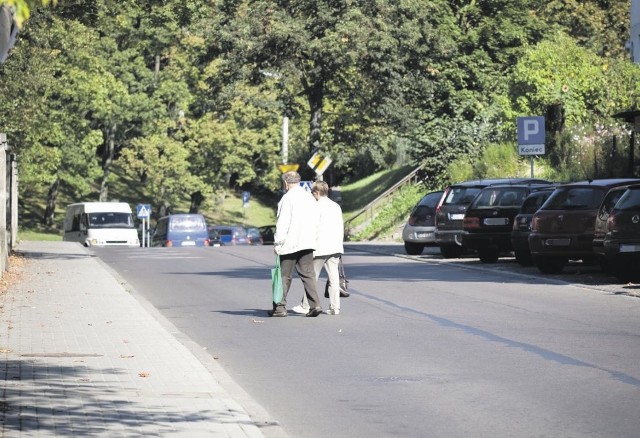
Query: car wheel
(451, 251)
(550, 265)
(625, 270)
(488, 255)
(524, 258)
(605, 265)
(413, 248)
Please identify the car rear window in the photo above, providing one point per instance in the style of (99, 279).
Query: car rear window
(188, 223)
(241, 232)
(629, 201)
(461, 195)
(574, 198)
(534, 202)
(500, 197)
(431, 200)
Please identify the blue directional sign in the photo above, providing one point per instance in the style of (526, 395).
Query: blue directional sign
(307, 185)
(531, 133)
(144, 211)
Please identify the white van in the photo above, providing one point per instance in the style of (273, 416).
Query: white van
(100, 224)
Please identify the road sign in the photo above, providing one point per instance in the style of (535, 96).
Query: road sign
(319, 163)
(531, 133)
(307, 185)
(143, 210)
(284, 168)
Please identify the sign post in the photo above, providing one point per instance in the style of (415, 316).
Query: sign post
(144, 212)
(531, 137)
(245, 203)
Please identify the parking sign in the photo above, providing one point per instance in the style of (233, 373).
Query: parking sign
(531, 135)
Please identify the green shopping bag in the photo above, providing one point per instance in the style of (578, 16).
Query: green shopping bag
(276, 282)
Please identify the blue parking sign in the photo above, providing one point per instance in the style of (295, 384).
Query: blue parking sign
(531, 135)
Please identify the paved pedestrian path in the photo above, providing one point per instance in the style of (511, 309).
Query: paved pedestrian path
(83, 357)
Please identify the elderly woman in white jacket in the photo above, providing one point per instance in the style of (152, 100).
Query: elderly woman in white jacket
(294, 241)
(329, 247)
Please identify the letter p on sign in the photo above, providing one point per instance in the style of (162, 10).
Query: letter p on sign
(531, 130)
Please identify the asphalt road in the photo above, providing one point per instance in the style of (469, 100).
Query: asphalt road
(423, 347)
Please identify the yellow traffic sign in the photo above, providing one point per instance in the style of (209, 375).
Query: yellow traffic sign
(284, 168)
(319, 163)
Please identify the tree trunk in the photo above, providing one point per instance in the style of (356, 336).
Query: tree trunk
(52, 196)
(315, 96)
(196, 202)
(107, 160)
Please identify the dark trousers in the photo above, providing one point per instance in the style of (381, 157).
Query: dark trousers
(303, 262)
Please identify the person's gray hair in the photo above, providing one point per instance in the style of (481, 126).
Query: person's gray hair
(291, 177)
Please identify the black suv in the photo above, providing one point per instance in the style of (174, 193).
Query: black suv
(488, 221)
(453, 205)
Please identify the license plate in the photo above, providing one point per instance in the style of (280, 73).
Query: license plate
(216, 244)
(557, 242)
(188, 243)
(424, 235)
(456, 216)
(496, 221)
(629, 248)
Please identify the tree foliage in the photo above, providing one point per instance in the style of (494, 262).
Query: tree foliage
(187, 97)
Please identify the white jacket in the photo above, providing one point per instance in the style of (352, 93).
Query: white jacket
(331, 228)
(297, 223)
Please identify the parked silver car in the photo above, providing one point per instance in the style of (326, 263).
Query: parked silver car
(420, 230)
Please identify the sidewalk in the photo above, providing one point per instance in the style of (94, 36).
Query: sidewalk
(83, 357)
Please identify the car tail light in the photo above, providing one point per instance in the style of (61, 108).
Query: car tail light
(471, 222)
(534, 224)
(412, 220)
(207, 242)
(521, 223)
(168, 243)
(611, 222)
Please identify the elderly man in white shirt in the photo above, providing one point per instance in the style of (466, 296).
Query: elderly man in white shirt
(329, 247)
(295, 239)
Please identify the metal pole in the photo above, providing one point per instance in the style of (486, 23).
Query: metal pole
(285, 139)
(531, 158)
(4, 255)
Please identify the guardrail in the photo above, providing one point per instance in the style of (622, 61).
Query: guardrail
(369, 209)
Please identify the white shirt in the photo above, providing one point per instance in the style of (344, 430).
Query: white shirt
(331, 228)
(297, 223)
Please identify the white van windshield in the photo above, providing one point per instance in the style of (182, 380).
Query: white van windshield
(110, 220)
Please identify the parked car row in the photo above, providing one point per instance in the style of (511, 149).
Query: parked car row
(540, 222)
(192, 230)
(240, 235)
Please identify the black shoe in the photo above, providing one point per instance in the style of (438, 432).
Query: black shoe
(314, 312)
(278, 313)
